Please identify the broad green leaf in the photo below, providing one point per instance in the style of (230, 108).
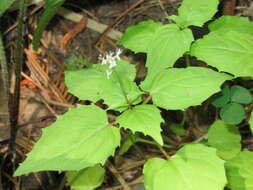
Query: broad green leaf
(4, 5)
(178, 129)
(169, 44)
(143, 118)
(225, 138)
(179, 88)
(222, 98)
(120, 86)
(49, 12)
(251, 122)
(239, 171)
(240, 95)
(194, 167)
(232, 113)
(69, 144)
(232, 23)
(138, 37)
(227, 51)
(126, 70)
(93, 84)
(195, 13)
(86, 179)
(115, 94)
(86, 84)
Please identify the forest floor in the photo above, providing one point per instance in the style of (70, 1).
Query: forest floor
(40, 103)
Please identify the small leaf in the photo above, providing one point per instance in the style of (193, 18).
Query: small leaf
(143, 118)
(49, 12)
(251, 122)
(138, 37)
(194, 167)
(222, 98)
(195, 13)
(178, 129)
(225, 138)
(227, 51)
(239, 171)
(232, 113)
(179, 88)
(86, 179)
(240, 95)
(70, 142)
(4, 5)
(232, 23)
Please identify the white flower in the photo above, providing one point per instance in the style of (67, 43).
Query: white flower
(110, 59)
(108, 73)
(117, 53)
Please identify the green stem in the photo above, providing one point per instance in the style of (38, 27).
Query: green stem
(153, 143)
(135, 146)
(122, 88)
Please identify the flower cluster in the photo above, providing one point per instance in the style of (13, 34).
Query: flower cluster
(110, 59)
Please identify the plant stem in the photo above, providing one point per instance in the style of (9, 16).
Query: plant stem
(16, 75)
(135, 146)
(5, 77)
(122, 88)
(147, 99)
(163, 151)
(187, 60)
(153, 143)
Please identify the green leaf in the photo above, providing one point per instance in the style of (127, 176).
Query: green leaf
(251, 122)
(86, 179)
(93, 84)
(232, 113)
(169, 44)
(125, 70)
(239, 171)
(49, 12)
(194, 167)
(86, 84)
(138, 37)
(143, 118)
(227, 51)
(113, 94)
(240, 95)
(222, 98)
(178, 129)
(225, 138)
(179, 88)
(70, 142)
(4, 5)
(232, 23)
(195, 13)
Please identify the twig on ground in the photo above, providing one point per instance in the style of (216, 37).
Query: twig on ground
(120, 179)
(139, 180)
(124, 13)
(91, 24)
